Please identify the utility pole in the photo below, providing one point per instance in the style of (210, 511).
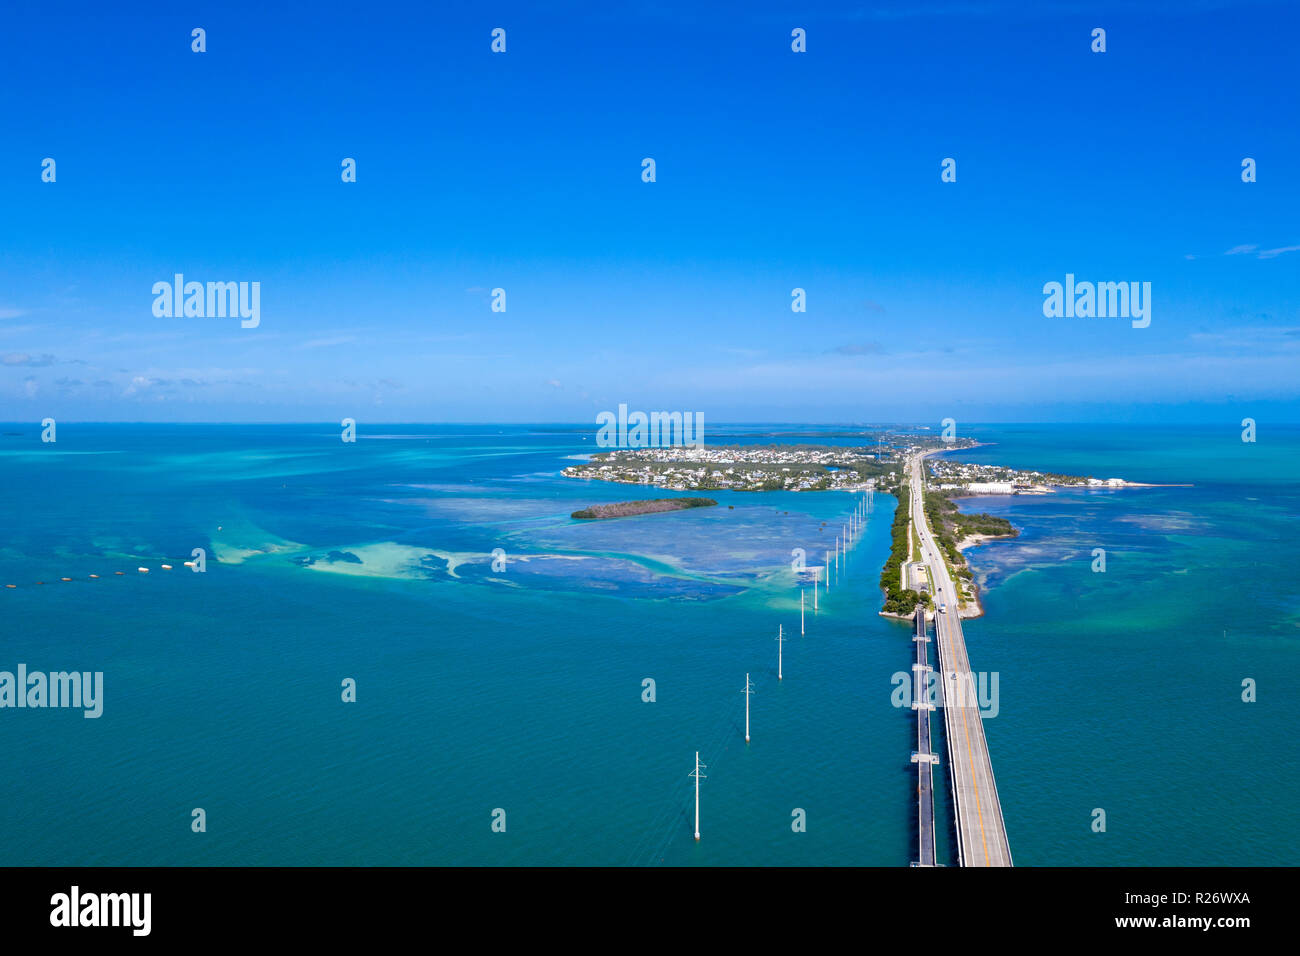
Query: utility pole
(749, 689)
(698, 777)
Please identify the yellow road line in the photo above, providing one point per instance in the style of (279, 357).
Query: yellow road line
(975, 780)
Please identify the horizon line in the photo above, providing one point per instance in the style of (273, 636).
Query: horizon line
(595, 425)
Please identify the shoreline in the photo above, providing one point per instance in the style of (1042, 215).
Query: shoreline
(1052, 489)
(974, 541)
(900, 617)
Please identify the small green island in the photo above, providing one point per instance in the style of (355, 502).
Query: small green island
(625, 509)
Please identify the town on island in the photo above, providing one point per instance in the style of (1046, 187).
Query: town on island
(905, 581)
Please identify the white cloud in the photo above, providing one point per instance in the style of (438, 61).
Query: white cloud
(1248, 249)
(1274, 253)
(326, 343)
(30, 361)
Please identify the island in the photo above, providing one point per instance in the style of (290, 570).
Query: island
(743, 467)
(905, 581)
(624, 509)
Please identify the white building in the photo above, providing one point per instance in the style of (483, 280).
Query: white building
(990, 487)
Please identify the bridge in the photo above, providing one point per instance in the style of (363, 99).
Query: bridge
(981, 830)
(922, 756)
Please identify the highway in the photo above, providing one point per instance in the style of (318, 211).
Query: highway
(981, 830)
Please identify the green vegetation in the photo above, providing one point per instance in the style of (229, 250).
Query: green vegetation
(950, 523)
(623, 509)
(890, 482)
(967, 525)
(898, 600)
(949, 526)
(937, 508)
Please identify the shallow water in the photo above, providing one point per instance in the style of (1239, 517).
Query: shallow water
(522, 690)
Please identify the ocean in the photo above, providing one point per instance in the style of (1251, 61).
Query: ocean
(517, 695)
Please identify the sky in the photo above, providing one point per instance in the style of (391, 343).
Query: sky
(774, 170)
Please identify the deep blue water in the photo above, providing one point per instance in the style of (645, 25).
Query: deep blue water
(522, 690)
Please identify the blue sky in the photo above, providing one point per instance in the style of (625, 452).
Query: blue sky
(775, 170)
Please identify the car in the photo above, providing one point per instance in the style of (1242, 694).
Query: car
(943, 608)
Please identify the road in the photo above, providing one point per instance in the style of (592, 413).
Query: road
(981, 830)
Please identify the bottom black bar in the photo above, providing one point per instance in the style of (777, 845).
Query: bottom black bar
(336, 905)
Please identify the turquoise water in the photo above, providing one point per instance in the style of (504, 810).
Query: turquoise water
(521, 690)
